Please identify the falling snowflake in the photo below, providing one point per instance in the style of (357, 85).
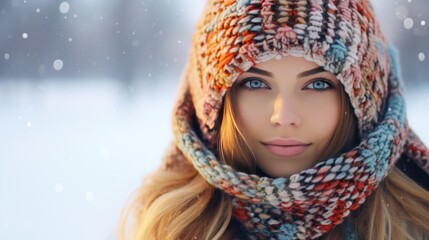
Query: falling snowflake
(408, 23)
(64, 7)
(6, 56)
(58, 64)
(25, 35)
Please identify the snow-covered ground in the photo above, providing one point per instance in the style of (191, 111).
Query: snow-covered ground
(72, 152)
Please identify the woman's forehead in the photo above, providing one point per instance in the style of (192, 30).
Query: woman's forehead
(296, 66)
(287, 61)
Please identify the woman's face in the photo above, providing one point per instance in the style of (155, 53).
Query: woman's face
(288, 110)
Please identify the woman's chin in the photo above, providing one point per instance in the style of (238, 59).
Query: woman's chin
(278, 172)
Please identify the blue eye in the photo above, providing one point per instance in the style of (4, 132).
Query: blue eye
(319, 85)
(255, 84)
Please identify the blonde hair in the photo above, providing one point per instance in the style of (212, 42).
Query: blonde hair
(175, 202)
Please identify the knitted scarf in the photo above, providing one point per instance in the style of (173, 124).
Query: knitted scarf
(310, 203)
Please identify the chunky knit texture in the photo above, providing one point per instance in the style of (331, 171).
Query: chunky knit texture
(342, 36)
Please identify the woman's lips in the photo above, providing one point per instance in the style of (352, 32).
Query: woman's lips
(286, 151)
(285, 147)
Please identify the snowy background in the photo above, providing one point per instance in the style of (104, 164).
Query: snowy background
(86, 92)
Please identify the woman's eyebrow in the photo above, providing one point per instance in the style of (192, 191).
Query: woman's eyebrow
(260, 71)
(301, 75)
(311, 72)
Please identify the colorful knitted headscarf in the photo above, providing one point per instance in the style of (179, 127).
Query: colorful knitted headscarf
(342, 36)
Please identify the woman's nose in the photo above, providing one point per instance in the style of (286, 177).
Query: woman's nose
(284, 113)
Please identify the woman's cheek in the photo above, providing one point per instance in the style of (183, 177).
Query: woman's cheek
(330, 111)
(323, 110)
(253, 110)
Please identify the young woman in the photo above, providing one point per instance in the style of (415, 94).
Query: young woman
(290, 124)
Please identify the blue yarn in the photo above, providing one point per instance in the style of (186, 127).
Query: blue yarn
(337, 52)
(394, 62)
(280, 183)
(287, 231)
